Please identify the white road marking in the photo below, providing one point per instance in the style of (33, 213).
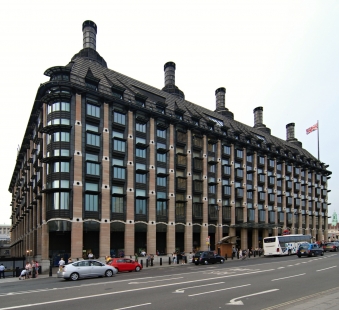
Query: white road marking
(155, 281)
(223, 289)
(235, 302)
(127, 291)
(280, 267)
(327, 268)
(141, 305)
(182, 290)
(297, 275)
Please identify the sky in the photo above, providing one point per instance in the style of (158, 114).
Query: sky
(281, 55)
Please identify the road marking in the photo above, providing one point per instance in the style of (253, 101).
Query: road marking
(141, 305)
(127, 291)
(327, 268)
(234, 302)
(155, 281)
(297, 275)
(182, 290)
(280, 267)
(223, 289)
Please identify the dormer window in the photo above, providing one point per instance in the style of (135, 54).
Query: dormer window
(179, 116)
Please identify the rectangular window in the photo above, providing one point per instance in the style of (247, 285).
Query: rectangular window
(117, 162)
(118, 204)
(119, 173)
(161, 133)
(91, 187)
(92, 168)
(93, 110)
(140, 206)
(117, 189)
(92, 139)
(211, 189)
(140, 127)
(119, 145)
(139, 166)
(117, 134)
(58, 201)
(211, 147)
(161, 145)
(161, 170)
(119, 118)
(140, 153)
(239, 154)
(92, 157)
(211, 168)
(162, 208)
(180, 209)
(92, 128)
(226, 150)
(161, 157)
(61, 136)
(140, 178)
(91, 202)
(161, 181)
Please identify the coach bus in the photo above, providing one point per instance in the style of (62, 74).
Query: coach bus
(284, 245)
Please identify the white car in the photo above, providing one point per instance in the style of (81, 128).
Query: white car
(86, 269)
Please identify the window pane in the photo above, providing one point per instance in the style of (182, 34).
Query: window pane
(118, 204)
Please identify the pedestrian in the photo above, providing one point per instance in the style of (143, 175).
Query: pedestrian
(33, 269)
(61, 264)
(90, 255)
(183, 258)
(28, 268)
(190, 258)
(22, 274)
(70, 261)
(174, 255)
(240, 253)
(36, 268)
(244, 254)
(136, 257)
(234, 252)
(2, 271)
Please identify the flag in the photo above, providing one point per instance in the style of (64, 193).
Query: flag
(312, 128)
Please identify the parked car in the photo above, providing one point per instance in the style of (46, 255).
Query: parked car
(207, 257)
(86, 269)
(331, 246)
(125, 264)
(309, 249)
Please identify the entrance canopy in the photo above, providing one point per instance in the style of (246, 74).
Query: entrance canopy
(226, 239)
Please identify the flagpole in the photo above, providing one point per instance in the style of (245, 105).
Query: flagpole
(318, 141)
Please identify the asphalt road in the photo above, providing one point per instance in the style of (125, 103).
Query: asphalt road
(264, 283)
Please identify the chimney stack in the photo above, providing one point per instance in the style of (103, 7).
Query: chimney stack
(290, 135)
(259, 120)
(89, 30)
(170, 87)
(220, 103)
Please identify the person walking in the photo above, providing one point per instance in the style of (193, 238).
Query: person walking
(36, 268)
(2, 271)
(234, 252)
(244, 254)
(61, 264)
(174, 255)
(28, 268)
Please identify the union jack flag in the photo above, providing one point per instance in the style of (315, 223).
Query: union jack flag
(312, 128)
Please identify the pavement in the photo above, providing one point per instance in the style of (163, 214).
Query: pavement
(325, 300)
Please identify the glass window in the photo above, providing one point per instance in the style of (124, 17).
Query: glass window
(161, 146)
(211, 168)
(140, 193)
(119, 118)
(119, 145)
(92, 139)
(161, 181)
(91, 186)
(211, 189)
(139, 166)
(118, 204)
(161, 133)
(58, 106)
(211, 147)
(59, 152)
(93, 110)
(140, 153)
(117, 134)
(91, 202)
(58, 201)
(161, 170)
(58, 167)
(92, 128)
(117, 162)
(119, 173)
(161, 157)
(140, 140)
(92, 157)
(92, 168)
(60, 136)
(140, 127)
(140, 178)
(140, 206)
(117, 189)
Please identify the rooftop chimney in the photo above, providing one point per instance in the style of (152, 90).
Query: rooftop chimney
(170, 87)
(259, 120)
(89, 30)
(220, 99)
(290, 134)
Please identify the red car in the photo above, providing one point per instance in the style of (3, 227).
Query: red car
(125, 264)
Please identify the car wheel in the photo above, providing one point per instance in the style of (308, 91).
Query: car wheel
(74, 276)
(109, 273)
(137, 268)
(221, 261)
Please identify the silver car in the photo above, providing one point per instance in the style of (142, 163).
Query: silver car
(86, 269)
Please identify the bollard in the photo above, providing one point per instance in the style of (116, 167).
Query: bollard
(177, 260)
(226, 256)
(50, 267)
(254, 253)
(238, 255)
(142, 263)
(33, 270)
(185, 259)
(169, 260)
(146, 262)
(160, 261)
(259, 253)
(151, 262)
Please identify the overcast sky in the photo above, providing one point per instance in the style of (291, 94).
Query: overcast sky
(281, 55)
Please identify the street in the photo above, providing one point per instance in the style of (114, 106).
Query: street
(261, 283)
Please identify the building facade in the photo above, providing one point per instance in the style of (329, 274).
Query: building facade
(111, 165)
(5, 240)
